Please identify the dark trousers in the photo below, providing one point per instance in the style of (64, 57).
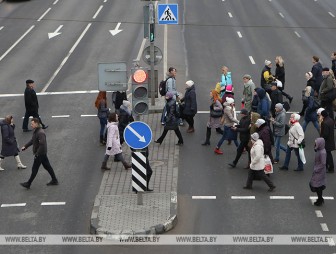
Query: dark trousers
(240, 150)
(190, 120)
(328, 107)
(26, 119)
(259, 174)
(330, 161)
(319, 192)
(38, 160)
(177, 132)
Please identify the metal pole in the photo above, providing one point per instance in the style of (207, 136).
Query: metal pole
(151, 50)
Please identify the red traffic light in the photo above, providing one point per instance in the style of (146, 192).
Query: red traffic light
(140, 76)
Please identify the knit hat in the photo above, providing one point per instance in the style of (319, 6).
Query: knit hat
(279, 106)
(228, 88)
(324, 113)
(296, 117)
(229, 100)
(247, 76)
(267, 62)
(169, 95)
(259, 122)
(255, 136)
(126, 103)
(325, 69)
(244, 111)
(190, 83)
(319, 111)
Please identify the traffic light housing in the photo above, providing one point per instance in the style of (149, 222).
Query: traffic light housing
(140, 102)
(151, 32)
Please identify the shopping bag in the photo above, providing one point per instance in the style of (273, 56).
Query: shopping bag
(302, 155)
(268, 169)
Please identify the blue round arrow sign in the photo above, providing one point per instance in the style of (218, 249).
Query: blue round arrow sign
(138, 135)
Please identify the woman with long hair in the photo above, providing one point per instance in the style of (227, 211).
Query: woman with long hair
(103, 112)
(280, 75)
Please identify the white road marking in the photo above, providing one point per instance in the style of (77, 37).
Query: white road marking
(242, 197)
(230, 15)
(331, 14)
(45, 13)
(318, 214)
(281, 197)
(282, 16)
(331, 241)
(13, 205)
(52, 93)
(16, 43)
(252, 60)
(53, 203)
(329, 198)
(1, 27)
(105, 1)
(87, 115)
(297, 34)
(239, 34)
(66, 58)
(203, 197)
(324, 227)
(60, 116)
(55, 2)
(97, 12)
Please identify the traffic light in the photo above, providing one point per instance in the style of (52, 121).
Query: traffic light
(140, 91)
(151, 32)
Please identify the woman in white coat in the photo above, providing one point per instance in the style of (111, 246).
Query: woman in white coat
(257, 163)
(113, 146)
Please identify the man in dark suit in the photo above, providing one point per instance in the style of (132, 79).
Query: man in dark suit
(31, 104)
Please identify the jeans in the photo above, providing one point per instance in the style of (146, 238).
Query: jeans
(103, 122)
(278, 146)
(220, 142)
(38, 160)
(315, 123)
(288, 156)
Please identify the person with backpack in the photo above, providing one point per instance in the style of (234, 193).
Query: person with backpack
(310, 114)
(189, 102)
(171, 120)
(279, 130)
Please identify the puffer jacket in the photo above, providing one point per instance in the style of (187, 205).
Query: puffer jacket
(257, 156)
(228, 115)
(319, 174)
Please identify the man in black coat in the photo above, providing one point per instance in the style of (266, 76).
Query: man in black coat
(244, 135)
(276, 97)
(327, 132)
(31, 104)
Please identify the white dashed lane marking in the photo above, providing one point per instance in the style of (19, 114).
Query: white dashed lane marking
(282, 16)
(281, 197)
(230, 15)
(318, 214)
(64, 116)
(13, 205)
(242, 197)
(53, 203)
(203, 197)
(252, 60)
(239, 34)
(297, 34)
(324, 227)
(331, 14)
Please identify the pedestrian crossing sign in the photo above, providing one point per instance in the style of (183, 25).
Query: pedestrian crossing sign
(168, 14)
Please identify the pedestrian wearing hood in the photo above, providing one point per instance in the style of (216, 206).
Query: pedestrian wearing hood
(243, 128)
(171, 120)
(317, 72)
(189, 103)
(248, 92)
(318, 180)
(113, 146)
(310, 112)
(9, 143)
(125, 117)
(310, 82)
(327, 132)
(263, 107)
(295, 137)
(214, 122)
(257, 164)
(279, 123)
(229, 121)
(326, 92)
(225, 80)
(266, 136)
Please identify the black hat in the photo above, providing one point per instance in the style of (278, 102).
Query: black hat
(324, 113)
(29, 81)
(325, 69)
(244, 111)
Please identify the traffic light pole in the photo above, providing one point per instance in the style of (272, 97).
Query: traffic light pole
(151, 50)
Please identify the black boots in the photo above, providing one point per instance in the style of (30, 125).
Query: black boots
(319, 202)
(207, 139)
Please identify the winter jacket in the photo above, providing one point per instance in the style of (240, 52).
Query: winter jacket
(244, 128)
(317, 74)
(190, 102)
(333, 66)
(295, 135)
(253, 128)
(280, 74)
(257, 156)
(226, 80)
(113, 139)
(171, 117)
(119, 97)
(266, 77)
(265, 135)
(171, 85)
(9, 144)
(318, 178)
(276, 97)
(215, 122)
(39, 142)
(228, 115)
(279, 123)
(263, 104)
(326, 87)
(31, 101)
(327, 132)
(103, 111)
(248, 93)
(310, 113)
(312, 83)
(125, 117)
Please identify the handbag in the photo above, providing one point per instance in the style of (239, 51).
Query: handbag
(216, 113)
(302, 155)
(268, 169)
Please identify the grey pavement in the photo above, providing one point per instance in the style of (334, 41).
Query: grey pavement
(115, 208)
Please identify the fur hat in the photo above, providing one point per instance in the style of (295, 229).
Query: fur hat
(260, 122)
(267, 62)
(319, 111)
(255, 136)
(279, 106)
(247, 76)
(190, 83)
(229, 100)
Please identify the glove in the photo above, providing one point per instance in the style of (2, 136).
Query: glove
(35, 157)
(109, 148)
